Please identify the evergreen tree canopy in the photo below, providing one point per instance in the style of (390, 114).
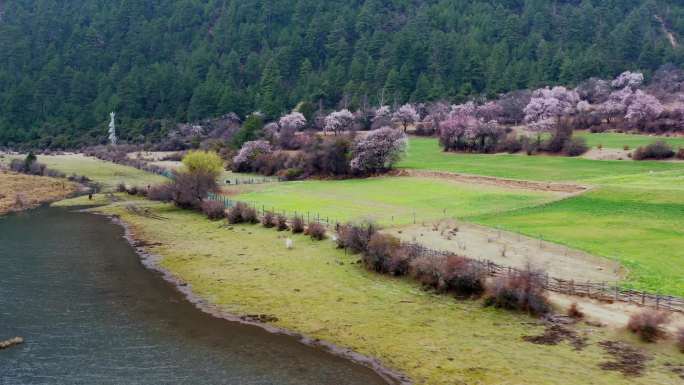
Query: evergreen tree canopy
(66, 64)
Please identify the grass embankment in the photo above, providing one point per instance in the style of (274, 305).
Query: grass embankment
(391, 200)
(318, 290)
(619, 141)
(107, 174)
(32, 190)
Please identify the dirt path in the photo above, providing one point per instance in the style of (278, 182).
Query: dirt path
(614, 314)
(565, 188)
(511, 249)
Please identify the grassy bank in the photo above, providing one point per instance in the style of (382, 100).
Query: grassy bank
(391, 201)
(320, 291)
(107, 174)
(31, 190)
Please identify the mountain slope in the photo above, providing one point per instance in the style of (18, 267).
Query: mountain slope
(65, 63)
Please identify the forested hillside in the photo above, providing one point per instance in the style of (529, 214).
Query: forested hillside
(65, 64)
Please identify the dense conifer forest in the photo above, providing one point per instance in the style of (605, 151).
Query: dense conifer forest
(65, 64)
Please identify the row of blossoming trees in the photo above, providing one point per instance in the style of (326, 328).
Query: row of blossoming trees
(541, 120)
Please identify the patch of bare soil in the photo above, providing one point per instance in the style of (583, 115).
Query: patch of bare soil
(615, 314)
(510, 249)
(565, 188)
(557, 333)
(607, 154)
(627, 359)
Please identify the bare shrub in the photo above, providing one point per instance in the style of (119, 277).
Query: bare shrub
(297, 225)
(575, 312)
(281, 222)
(355, 238)
(268, 219)
(249, 214)
(213, 209)
(121, 187)
(428, 271)
(523, 291)
(658, 150)
(234, 214)
(379, 252)
(190, 188)
(162, 192)
(462, 277)
(316, 231)
(648, 324)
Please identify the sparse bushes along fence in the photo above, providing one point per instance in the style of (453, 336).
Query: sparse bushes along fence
(648, 324)
(213, 210)
(316, 231)
(521, 291)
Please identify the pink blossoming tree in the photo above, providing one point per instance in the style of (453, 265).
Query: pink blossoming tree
(378, 151)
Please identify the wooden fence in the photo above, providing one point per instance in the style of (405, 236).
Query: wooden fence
(308, 216)
(602, 291)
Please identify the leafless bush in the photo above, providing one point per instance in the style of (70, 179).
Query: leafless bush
(297, 225)
(316, 231)
(162, 192)
(462, 277)
(649, 324)
(523, 291)
(242, 213)
(428, 271)
(281, 223)
(355, 238)
(268, 219)
(213, 209)
(379, 252)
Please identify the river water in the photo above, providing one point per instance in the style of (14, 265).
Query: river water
(92, 314)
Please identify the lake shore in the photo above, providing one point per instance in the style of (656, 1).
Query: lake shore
(152, 262)
(244, 273)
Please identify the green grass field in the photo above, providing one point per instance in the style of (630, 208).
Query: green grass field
(634, 214)
(642, 229)
(320, 291)
(108, 174)
(617, 140)
(425, 154)
(390, 201)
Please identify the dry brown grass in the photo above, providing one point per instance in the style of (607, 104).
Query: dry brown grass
(19, 192)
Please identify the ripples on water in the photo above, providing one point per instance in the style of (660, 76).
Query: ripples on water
(91, 314)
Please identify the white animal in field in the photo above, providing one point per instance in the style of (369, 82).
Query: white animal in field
(289, 244)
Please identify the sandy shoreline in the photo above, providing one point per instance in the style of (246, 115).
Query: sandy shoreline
(151, 261)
